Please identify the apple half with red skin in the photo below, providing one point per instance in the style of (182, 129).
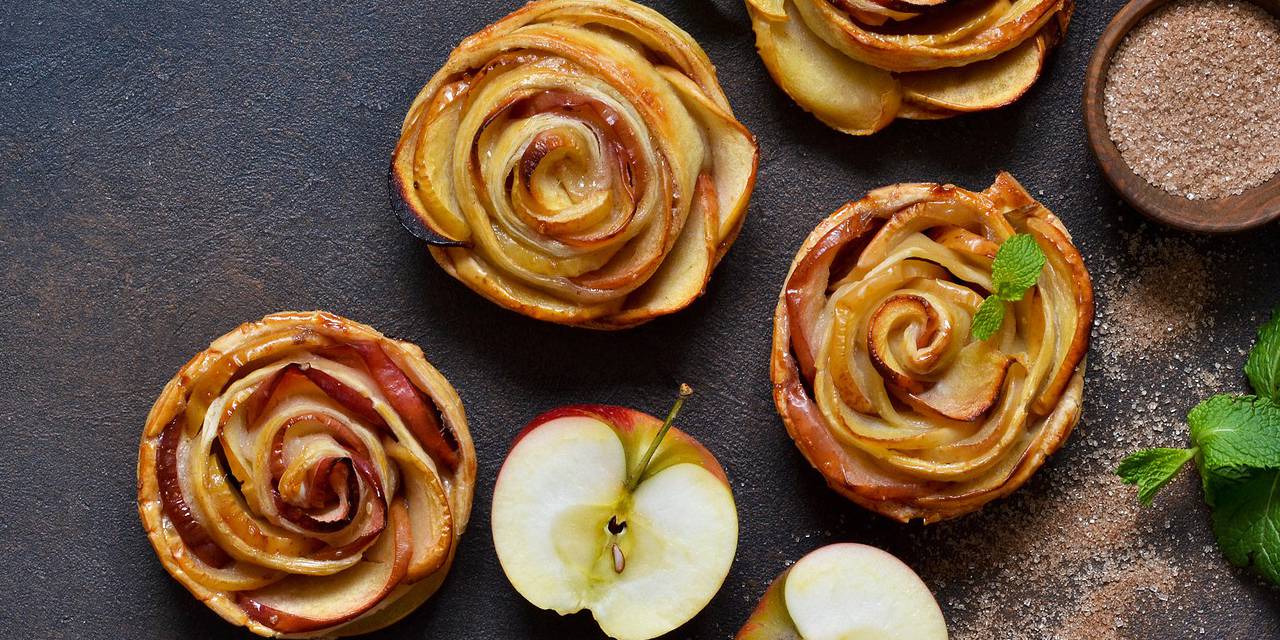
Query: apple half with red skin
(602, 508)
(847, 591)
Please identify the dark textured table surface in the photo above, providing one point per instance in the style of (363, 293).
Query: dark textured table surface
(170, 170)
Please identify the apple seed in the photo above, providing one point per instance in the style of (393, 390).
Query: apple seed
(619, 562)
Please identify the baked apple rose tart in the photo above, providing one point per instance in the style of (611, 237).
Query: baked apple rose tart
(877, 375)
(858, 64)
(306, 476)
(576, 162)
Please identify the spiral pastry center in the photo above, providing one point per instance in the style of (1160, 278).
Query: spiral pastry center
(575, 182)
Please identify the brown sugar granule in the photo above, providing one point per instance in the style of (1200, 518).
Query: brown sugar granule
(1163, 300)
(1192, 98)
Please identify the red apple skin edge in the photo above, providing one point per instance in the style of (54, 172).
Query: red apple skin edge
(627, 421)
(770, 620)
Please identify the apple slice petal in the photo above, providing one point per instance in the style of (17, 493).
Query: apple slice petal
(850, 590)
(845, 94)
(193, 534)
(969, 389)
(556, 489)
(417, 411)
(771, 9)
(430, 518)
(980, 86)
(299, 604)
(684, 533)
(913, 111)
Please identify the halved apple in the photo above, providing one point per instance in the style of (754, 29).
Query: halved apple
(846, 591)
(595, 509)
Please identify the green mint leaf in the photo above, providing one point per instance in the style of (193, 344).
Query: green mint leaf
(1152, 469)
(1263, 367)
(1235, 435)
(1246, 521)
(987, 321)
(1017, 267)
(1237, 450)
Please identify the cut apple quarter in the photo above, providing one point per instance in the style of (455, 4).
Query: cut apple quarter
(847, 592)
(589, 515)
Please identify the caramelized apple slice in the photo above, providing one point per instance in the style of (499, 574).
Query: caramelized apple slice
(912, 6)
(913, 111)
(193, 534)
(771, 9)
(432, 522)
(971, 386)
(300, 604)
(418, 414)
(847, 95)
(979, 86)
(896, 316)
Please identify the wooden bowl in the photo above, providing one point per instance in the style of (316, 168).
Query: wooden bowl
(1253, 208)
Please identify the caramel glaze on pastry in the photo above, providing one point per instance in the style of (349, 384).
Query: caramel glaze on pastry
(858, 64)
(306, 476)
(874, 369)
(576, 162)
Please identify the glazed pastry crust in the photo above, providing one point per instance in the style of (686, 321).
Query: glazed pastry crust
(874, 370)
(577, 162)
(426, 492)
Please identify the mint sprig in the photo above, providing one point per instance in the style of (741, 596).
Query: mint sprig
(1152, 469)
(1016, 268)
(1236, 447)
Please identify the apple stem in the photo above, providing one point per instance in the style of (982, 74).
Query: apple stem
(685, 392)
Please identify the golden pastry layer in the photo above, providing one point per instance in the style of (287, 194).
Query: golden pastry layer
(576, 162)
(877, 376)
(858, 64)
(306, 476)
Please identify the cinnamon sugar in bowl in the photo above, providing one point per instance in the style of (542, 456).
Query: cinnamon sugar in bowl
(1182, 106)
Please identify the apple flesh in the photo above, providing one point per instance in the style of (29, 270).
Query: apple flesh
(847, 592)
(575, 528)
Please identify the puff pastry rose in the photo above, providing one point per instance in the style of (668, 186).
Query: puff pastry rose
(576, 162)
(858, 64)
(306, 476)
(875, 371)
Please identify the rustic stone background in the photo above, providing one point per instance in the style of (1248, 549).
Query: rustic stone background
(170, 170)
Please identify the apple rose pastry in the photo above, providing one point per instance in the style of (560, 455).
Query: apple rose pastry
(576, 162)
(877, 371)
(306, 476)
(858, 64)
